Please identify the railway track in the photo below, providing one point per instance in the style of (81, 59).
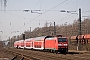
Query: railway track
(20, 54)
(32, 55)
(27, 55)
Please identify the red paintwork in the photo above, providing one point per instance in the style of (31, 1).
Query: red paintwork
(37, 44)
(28, 43)
(22, 44)
(51, 44)
(18, 43)
(87, 36)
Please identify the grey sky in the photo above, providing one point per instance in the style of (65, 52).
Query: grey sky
(18, 20)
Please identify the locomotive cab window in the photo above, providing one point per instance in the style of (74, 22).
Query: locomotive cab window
(61, 39)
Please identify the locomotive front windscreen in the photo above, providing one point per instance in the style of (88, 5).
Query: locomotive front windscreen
(62, 40)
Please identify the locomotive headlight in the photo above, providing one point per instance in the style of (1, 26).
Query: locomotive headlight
(59, 44)
(65, 44)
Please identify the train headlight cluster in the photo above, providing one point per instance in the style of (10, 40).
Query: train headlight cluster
(62, 44)
(65, 44)
(59, 44)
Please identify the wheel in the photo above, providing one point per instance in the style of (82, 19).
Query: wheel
(56, 52)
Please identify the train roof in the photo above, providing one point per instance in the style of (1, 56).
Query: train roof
(61, 37)
(50, 38)
(42, 37)
(29, 39)
(19, 40)
(39, 38)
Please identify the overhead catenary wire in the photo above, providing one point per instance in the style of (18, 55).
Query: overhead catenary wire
(86, 11)
(31, 19)
(39, 20)
(46, 11)
(34, 10)
(25, 18)
(31, 10)
(22, 10)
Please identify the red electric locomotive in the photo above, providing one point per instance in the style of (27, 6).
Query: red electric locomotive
(56, 44)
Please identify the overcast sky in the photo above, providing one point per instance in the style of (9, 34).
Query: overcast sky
(15, 19)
